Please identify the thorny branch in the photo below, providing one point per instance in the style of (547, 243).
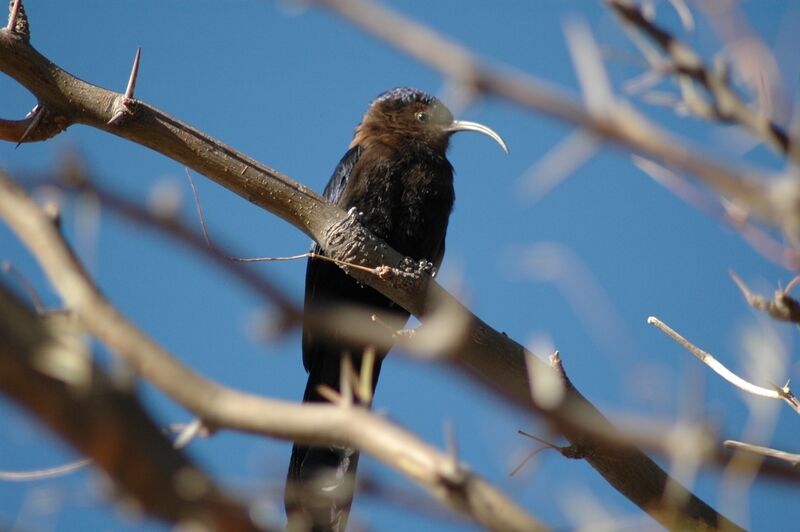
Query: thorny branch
(222, 407)
(482, 352)
(101, 419)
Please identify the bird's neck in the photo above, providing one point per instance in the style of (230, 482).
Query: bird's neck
(398, 143)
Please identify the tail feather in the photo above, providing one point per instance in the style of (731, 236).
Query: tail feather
(320, 482)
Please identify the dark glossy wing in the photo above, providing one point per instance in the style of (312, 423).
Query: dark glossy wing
(326, 284)
(338, 181)
(328, 289)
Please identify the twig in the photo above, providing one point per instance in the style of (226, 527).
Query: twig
(48, 473)
(545, 445)
(177, 229)
(792, 458)
(380, 270)
(783, 307)
(782, 393)
(758, 238)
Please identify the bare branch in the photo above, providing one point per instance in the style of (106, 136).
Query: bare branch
(222, 407)
(105, 422)
(792, 458)
(39, 474)
(725, 212)
(624, 127)
(482, 352)
(176, 228)
(782, 393)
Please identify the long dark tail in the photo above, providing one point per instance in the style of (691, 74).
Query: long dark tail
(321, 480)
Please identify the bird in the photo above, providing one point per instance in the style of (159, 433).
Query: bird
(395, 175)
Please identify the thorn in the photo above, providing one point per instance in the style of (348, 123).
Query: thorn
(450, 442)
(748, 295)
(792, 284)
(53, 211)
(12, 16)
(36, 117)
(134, 73)
(122, 105)
(189, 432)
(117, 116)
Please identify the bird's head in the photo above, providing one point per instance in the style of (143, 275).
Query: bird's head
(405, 116)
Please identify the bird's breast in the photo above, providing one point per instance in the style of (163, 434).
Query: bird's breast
(406, 200)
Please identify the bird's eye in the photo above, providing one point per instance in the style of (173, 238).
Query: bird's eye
(422, 116)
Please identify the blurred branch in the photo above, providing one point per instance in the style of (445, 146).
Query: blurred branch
(40, 474)
(482, 352)
(615, 122)
(218, 406)
(725, 212)
(783, 393)
(782, 307)
(168, 223)
(73, 398)
(725, 104)
(792, 458)
(754, 63)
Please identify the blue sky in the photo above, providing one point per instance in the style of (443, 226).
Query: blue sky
(287, 85)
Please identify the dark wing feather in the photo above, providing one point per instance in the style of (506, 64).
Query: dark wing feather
(327, 289)
(338, 181)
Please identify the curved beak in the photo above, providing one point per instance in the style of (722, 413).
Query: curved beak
(464, 125)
